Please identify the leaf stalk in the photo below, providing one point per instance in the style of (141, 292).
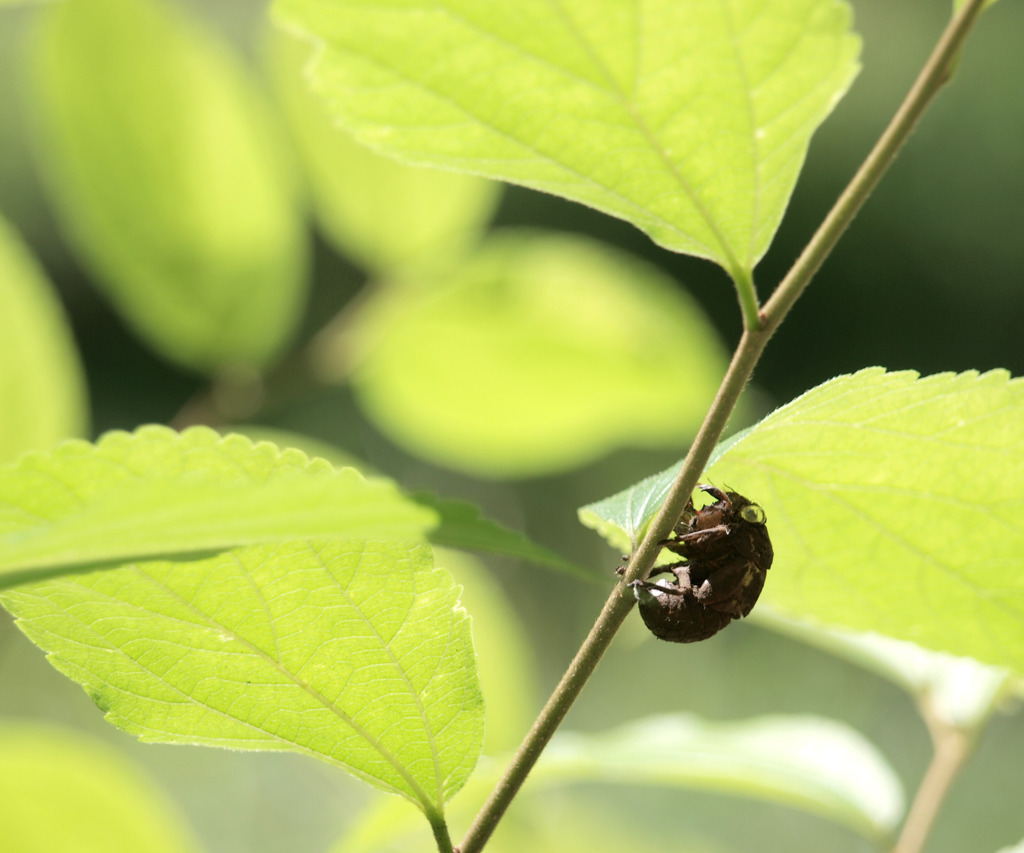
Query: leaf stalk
(439, 826)
(747, 293)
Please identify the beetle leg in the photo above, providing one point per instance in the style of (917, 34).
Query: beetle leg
(716, 532)
(669, 590)
(717, 494)
(704, 593)
(681, 571)
(672, 567)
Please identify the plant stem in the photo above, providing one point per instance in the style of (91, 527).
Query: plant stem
(747, 293)
(933, 76)
(748, 351)
(440, 829)
(621, 599)
(952, 746)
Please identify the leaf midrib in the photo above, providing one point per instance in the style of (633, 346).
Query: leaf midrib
(611, 92)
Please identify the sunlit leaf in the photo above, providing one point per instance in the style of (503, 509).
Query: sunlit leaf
(62, 792)
(896, 505)
(539, 353)
(959, 691)
(157, 493)
(355, 653)
(312, 447)
(380, 212)
(502, 651)
(42, 389)
(167, 176)
(688, 118)
(461, 525)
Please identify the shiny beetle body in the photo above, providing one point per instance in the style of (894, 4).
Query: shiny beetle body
(727, 554)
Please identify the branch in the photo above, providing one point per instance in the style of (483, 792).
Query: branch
(935, 72)
(951, 747)
(621, 600)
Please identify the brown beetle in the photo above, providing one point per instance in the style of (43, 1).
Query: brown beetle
(727, 556)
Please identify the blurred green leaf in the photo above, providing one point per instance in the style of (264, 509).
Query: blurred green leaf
(156, 493)
(168, 178)
(578, 827)
(1016, 848)
(502, 652)
(356, 653)
(690, 120)
(895, 505)
(959, 691)
(536, 824)
(809, 763)
(42, 388)
(62, 792)
(462, 526)
(539, 353)
(382, 213)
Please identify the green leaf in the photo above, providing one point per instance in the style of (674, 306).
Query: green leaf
(42, 387)
(156, 493)
(462, 526)
(506, 669)
(356, 653)
(541, 824)
(169, 179)
(896, 505)
(382, 213)
(689, 119)
(62, 792)
(312, 447)
(538, 354)
(809, 763)
(959, 691)
(622, 519)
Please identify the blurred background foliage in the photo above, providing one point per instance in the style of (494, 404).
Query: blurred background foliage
(928, 278)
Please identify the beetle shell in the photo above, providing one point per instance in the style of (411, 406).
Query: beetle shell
(727, 555)
(678, 618)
